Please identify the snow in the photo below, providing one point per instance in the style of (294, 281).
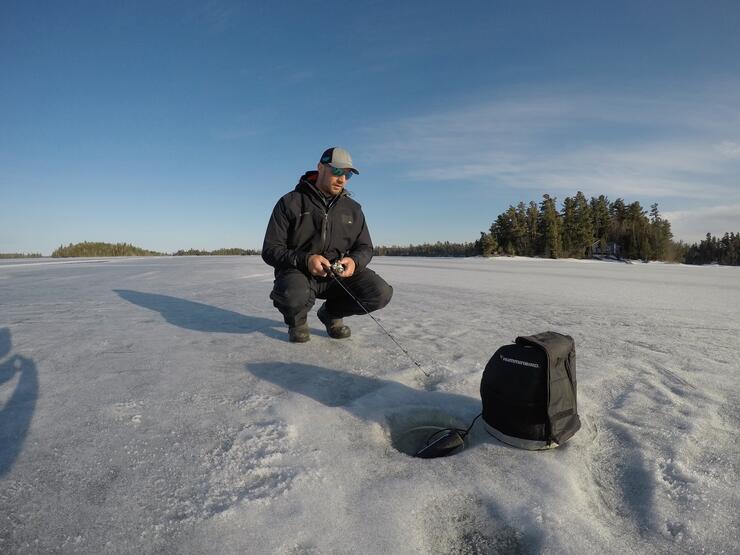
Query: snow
(155, 405)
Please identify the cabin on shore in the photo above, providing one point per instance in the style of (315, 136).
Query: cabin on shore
(605, 248)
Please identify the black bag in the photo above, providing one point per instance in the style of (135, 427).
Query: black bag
(529, 391)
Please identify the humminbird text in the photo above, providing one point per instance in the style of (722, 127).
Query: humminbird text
(523, 363)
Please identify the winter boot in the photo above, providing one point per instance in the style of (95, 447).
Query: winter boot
(334, 326)
(299, 334)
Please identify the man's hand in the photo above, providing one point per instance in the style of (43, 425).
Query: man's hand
(318, 265)
(349, 267)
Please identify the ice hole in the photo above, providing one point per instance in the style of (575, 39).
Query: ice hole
(409, 430)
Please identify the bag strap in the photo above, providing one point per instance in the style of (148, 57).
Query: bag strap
(555, 344)
(529, 341)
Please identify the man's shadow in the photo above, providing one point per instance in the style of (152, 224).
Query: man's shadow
(16, 413)
(202, 317)
(396, 407)
(476, 523)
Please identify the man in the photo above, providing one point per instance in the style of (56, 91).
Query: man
(312, 227)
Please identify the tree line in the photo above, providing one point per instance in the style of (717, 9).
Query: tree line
(713, 250)
(19, 255)
(218, 252)
(101, 249)
(429, 249)
(87, 249)
(581, 228)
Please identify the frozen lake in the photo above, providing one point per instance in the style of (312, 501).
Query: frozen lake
(155, 405)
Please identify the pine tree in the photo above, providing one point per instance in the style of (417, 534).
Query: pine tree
(600, 218)
(617, 225)
(637, 234)
(520, 231)
(486, 245)
(660, 234)
(584, 225)
(549, 226)
(533, 216)
(569, 228)
(503, 229)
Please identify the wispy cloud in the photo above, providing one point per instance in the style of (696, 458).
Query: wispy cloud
(241, 126)
(730, 149)
(217, 16)
(678, 147)
(693, 225)
(301, 76)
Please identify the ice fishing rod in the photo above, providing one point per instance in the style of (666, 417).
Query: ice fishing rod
(338, 268)
(441, 443)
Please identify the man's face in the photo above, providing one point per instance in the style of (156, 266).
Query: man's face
(329, 184)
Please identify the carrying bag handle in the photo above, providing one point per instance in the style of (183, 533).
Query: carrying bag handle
(529, 341)
(556, 345)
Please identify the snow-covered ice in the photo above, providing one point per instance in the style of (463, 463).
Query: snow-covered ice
(155, 405)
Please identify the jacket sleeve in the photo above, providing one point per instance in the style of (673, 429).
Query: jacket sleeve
(275, 251)
(362, 251)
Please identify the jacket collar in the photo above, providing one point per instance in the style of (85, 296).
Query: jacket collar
(307, 184)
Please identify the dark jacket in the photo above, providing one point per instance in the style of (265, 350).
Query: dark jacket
(304, 222)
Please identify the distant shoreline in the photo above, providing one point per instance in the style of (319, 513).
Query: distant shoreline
(48, 260)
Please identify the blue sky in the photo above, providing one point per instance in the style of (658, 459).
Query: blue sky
(179, 124)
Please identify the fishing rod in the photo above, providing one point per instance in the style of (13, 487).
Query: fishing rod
(441, 443)
(338, 268)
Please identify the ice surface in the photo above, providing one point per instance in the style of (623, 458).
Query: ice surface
(155, 405)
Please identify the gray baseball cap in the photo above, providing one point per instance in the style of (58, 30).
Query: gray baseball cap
(338, 158)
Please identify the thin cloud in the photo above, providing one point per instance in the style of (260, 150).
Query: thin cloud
(218, 16)
(729, 149)
(693, 225)
(651, 147)
(301, 76)
(243, 126)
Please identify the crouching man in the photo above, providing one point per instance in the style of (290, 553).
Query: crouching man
(312, 227)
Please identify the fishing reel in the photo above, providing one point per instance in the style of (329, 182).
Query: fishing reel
(337, 268)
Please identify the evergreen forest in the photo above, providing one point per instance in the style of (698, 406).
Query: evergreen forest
(101, 249)
(713, 250)
(430, 249)
(19, 255)
(581, 228)
(218, 252)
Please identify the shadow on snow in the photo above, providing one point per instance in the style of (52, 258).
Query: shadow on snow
(202, 317)
(461, 522)
(391, 404)
(16, 413)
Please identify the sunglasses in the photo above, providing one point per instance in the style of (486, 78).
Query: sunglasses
(336, 172)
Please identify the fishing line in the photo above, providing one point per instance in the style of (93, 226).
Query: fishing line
(331, 273)
(448, 440)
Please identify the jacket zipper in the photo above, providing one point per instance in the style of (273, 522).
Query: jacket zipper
(324, 229)
(325, 223)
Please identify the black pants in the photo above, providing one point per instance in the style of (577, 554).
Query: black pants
(294, 293)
